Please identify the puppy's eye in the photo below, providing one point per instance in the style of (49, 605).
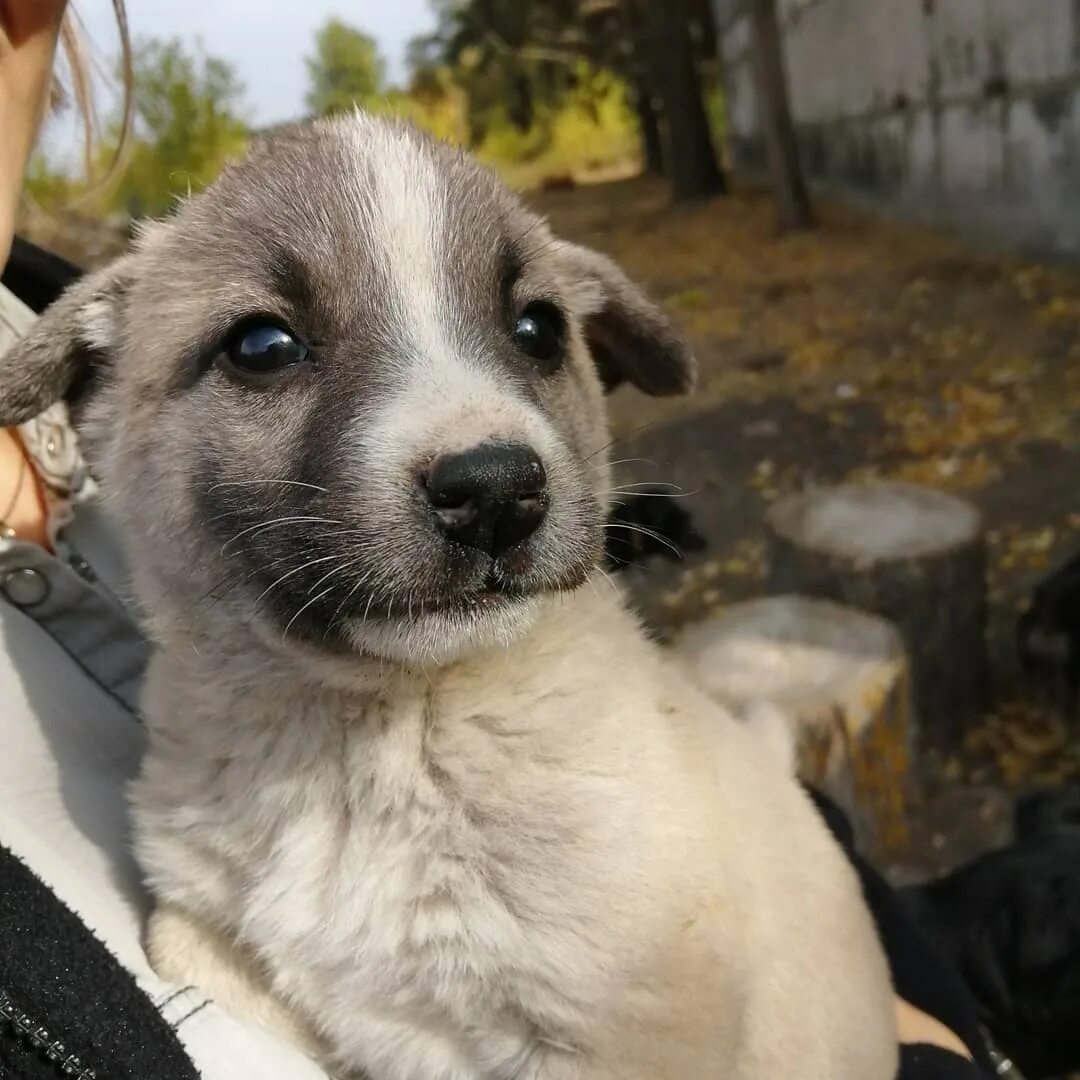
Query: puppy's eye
(261, 349)
(540, 331)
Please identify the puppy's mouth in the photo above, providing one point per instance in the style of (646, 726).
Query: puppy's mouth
(493, 596)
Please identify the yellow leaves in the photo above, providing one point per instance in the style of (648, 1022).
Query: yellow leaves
(763, 474)
(1016, 371)
(815, 355)
(1026, 550)
(703, 589)
(1025, 745)
(945, 436)
(1060, 309)
(1029, 282)
(687, 299)
(964, 356)
(707, 318)
(955, 473)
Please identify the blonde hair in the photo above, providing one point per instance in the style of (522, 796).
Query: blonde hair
(80, 91)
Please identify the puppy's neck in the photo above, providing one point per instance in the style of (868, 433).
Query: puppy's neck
(253, 658)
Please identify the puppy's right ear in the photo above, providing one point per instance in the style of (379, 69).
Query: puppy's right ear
(68, 348)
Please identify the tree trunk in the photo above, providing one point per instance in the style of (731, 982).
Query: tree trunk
(652, 144)
(839, 679)
(691, 157)
(793, 206)
(913, 555)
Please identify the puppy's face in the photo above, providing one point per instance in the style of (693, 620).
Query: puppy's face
(353, 394)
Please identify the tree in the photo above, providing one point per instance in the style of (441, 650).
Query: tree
(345, 71)
(188, 123)
(793, 206)
(515, 59)
(691, 156)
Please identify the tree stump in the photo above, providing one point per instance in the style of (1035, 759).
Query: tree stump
(840, 677)
(913, 555)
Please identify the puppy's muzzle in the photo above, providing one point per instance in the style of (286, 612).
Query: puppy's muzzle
(490, 498)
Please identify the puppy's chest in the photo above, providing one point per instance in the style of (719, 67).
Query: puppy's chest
(407, 856)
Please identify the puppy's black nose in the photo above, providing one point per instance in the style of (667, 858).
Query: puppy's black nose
(490, 497)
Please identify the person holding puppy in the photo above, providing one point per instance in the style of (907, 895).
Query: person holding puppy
(71, 901)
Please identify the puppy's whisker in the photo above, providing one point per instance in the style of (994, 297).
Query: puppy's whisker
(367, 608)
(300, 611)
(623, 461)
(275, 524)
(618, 439)
(649, 484)
(658, 537)
(609, 579)
(248, 483)
(355, 588)
(233, 581)
(291, 573)
(326, 577)
(650, 494)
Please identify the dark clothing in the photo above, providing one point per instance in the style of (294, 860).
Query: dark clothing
(67, 1008)
(922, 977)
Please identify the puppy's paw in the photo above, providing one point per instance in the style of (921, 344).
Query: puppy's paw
(186, 950)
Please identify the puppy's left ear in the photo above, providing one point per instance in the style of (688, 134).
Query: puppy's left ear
(67, 349)
(630, 338)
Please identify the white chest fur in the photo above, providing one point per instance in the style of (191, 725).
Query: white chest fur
(509, 868)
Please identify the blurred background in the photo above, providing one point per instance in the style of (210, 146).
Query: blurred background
(863, 212)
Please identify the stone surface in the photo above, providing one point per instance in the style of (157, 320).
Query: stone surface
(961, 112)
(840, 678)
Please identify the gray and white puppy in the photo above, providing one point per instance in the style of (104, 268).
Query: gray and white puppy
(418, 789)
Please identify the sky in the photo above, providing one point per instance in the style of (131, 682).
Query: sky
(266, 40)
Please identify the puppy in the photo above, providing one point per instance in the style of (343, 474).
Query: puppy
(419, 791)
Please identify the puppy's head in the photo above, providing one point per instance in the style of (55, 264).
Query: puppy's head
(352, 393)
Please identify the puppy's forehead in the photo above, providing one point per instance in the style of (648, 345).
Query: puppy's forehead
(361, 206)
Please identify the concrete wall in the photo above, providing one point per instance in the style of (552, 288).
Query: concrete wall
(963, 112)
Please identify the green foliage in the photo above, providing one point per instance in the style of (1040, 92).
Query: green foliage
(529, 114)
(434, 103)
(592, 128)
(188, 123)
(345, 71)
(48, 187)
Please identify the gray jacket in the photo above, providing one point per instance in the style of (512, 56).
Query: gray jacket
(71, 658)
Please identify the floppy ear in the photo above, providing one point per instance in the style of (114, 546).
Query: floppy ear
(630, 338)
(67, 349)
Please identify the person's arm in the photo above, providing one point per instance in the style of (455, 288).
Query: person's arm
(29, 30)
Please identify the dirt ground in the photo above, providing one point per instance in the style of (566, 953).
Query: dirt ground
(864, 349)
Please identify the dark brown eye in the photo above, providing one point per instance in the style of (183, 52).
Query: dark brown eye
(540, 332)
(260, 349)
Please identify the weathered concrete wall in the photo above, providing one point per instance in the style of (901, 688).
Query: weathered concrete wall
(963, 112)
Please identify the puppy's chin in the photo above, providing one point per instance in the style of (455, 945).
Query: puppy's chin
(441, 636)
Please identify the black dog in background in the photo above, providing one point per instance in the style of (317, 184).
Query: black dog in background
(1048, 637)
(1010, 921)
(650, 524)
